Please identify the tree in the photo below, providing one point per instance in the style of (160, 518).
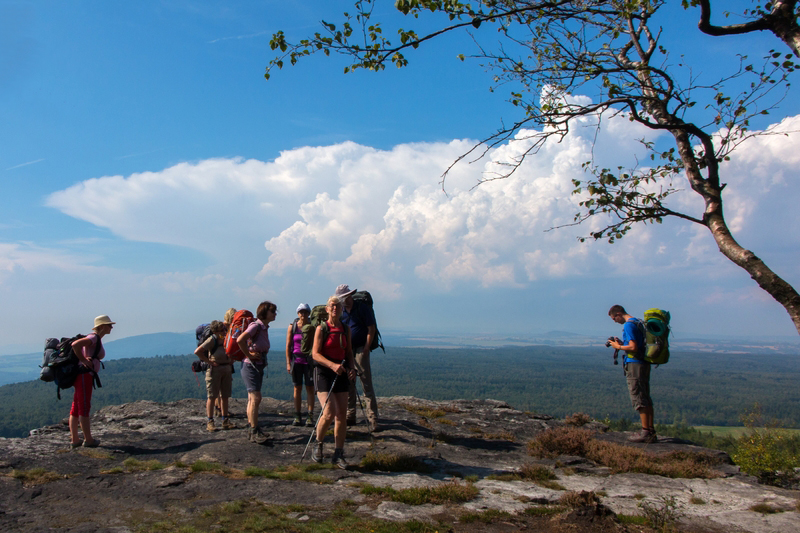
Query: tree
(549, 50)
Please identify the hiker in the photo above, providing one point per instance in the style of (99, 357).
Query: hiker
(298, 365)
(332, 349)
(84, 349)
(218, 376)
(254, 342)
(226, 319)
(361, 320)
(636, 368)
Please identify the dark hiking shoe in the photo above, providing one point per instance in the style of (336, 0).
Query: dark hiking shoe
(297, 421)
(310, 420)
(250, 433)
(643, 436)
(351, 421)
(259, 437)
(93, 444)
(227, 424)
(316, 453)
(338, 459)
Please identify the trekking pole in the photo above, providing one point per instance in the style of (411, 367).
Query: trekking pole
(364, 411)
(321, 412)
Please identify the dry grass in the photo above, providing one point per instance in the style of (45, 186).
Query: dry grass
(392, 462)
(578, 419)
(135, 465)
(578, 499)
(446, 493)
(764, 508)
(35, 476)
(619, 458)
(290, 473)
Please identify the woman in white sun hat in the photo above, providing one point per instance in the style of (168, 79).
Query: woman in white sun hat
(89, 351)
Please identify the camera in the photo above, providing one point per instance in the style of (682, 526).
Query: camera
(616, 352)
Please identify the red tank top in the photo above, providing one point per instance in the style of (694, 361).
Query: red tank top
(335, 344)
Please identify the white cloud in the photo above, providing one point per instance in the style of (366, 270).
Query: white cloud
(379, 218)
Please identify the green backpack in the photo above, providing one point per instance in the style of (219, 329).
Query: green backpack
(318, 316)
(656, 329)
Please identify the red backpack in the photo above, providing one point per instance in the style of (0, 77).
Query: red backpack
(239, 324)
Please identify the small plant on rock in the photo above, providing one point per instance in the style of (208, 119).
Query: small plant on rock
(662, 514)
(578, 419)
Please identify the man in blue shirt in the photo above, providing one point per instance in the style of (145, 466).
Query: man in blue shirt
(360, 318)
(637, 370)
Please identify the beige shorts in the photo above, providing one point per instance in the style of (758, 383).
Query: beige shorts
(638, 376)
(218, 381)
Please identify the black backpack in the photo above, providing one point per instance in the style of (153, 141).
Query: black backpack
(61, 365)
(362, 299)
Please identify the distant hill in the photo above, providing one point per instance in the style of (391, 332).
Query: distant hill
(25, 367)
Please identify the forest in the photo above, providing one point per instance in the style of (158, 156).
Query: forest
(694, 388)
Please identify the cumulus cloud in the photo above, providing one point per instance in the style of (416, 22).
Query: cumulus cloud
(352, 212)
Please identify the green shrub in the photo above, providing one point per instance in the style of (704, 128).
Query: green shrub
(765, 450)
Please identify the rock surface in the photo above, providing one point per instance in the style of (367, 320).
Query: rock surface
(115, 489)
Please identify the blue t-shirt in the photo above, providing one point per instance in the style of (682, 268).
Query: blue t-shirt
(632, 331)
(359, 319)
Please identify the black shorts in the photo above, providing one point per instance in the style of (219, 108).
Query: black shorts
(302, 373)
(323, 379)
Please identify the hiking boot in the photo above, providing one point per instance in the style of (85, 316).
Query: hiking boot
(373, 426)
(338, 459)
(259, 437)
(643, 436)
(351, 421)
(310, 420)
(297, 421)
(316, 453)
(250, 433)
(217, 411)
(227, 424)
(210, 426)
(91, 444)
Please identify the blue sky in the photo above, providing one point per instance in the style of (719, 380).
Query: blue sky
(151, 173)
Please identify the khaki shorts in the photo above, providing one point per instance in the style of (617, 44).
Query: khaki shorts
(638, 376)
(218, 381)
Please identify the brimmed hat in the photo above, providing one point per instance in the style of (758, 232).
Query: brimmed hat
(102, 320)
(303, 307)
(343, 291)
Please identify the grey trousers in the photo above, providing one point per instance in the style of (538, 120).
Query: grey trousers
(365, 372)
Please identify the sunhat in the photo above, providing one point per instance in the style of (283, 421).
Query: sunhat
(343, 291)
(102, 320)
(303, 307)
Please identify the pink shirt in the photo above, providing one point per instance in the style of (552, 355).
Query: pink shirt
(88, 351)
(259, 338)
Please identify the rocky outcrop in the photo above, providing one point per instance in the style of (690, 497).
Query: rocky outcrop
(157, 461)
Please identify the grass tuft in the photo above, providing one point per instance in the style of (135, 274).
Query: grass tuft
(765, 508)
(135, 465)
(578, 499)
(35, 476)
(578, 419)
(446, 493)
(289, 473)
(392, 462)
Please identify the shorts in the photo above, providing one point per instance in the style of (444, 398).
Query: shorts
(323, 378)
(302, 373)
(638, 376)
(253, 376)
(219, 380)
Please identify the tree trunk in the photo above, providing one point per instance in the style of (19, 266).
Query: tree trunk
(714, 219)
(777, 287)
